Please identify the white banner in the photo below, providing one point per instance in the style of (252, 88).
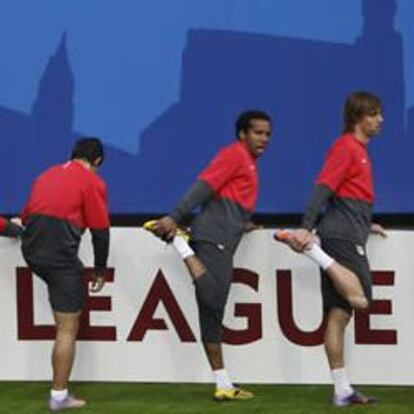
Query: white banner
(143, 325)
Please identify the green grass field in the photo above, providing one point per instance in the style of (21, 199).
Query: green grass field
(104, 398)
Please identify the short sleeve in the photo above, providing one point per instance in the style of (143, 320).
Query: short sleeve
(336, 166)
(222, 168)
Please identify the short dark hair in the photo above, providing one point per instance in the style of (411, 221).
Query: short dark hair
(89, 149)
(357, 105)
(244, 119)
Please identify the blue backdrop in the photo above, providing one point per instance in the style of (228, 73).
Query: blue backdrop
(161, 83)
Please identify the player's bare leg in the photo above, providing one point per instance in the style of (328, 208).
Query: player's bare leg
(344, 280)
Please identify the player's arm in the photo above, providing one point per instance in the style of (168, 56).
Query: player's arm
(221, 169)
(97, 220)
(197, 195)
(304, 236)
(100, 243)
(321, 193)
(334, 171)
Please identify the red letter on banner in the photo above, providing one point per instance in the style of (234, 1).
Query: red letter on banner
(160, 292)
(27, 330)
(251, 311)
(285, 314)
(363, 333)
(96, 303)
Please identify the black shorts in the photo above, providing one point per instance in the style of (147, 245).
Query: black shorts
(212, 289)
(65, 286)
(352, 256)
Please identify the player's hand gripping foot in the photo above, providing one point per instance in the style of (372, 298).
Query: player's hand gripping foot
(298, 240)
(284, 236)
(153, 227)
